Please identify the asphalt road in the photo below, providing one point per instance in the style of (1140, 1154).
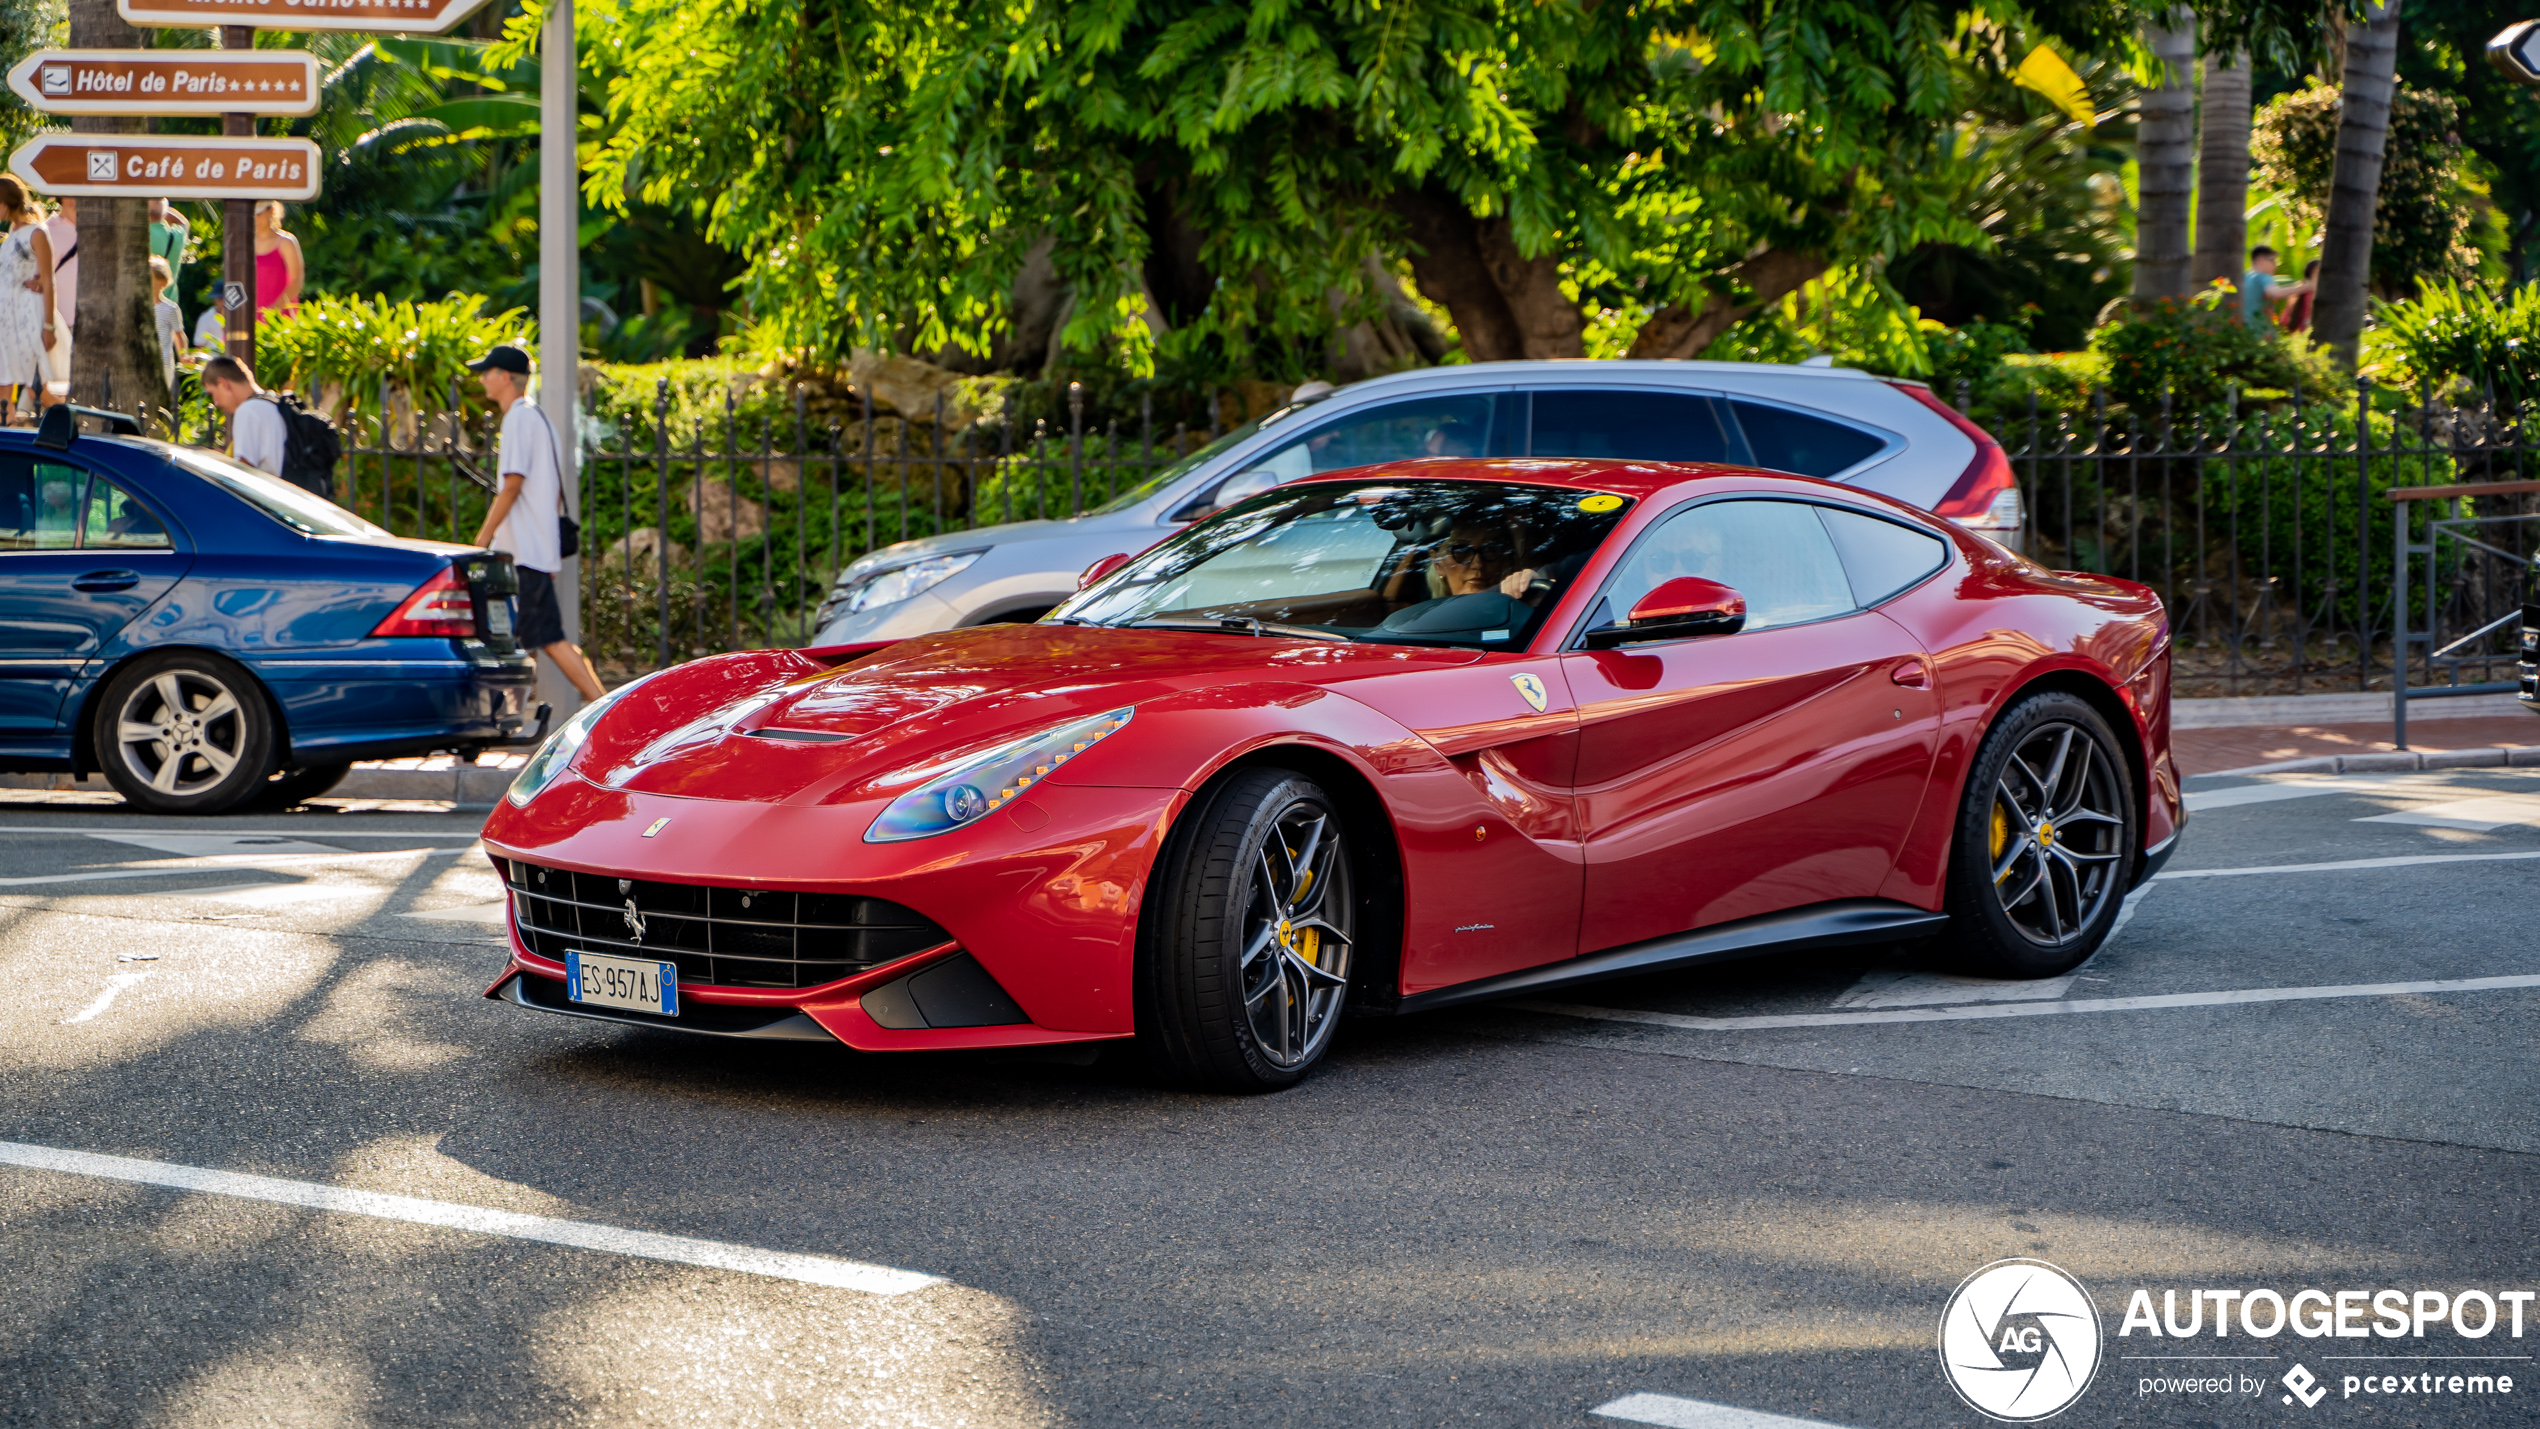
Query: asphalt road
(1752, 1187)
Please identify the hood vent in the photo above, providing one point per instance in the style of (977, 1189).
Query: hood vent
(797, 736)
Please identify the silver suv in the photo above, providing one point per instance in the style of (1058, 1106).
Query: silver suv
(1889, 436)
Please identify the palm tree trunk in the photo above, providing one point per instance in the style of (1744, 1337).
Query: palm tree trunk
(2222, 172)
(115, 342)
(2165, 154)
(2363, 130)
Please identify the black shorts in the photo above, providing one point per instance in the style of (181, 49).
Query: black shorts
(541, 622)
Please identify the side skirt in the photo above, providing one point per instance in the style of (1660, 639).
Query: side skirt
(1819, 925)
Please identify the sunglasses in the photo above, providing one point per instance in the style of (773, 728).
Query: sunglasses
(1467, 551)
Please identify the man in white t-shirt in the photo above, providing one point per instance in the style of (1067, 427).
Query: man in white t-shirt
(523, 519)
(257, 433)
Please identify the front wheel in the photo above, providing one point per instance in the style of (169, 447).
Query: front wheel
(1249, 957)
(184, 732)
(2045, 843)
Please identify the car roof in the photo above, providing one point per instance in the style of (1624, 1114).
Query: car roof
(1635, 479)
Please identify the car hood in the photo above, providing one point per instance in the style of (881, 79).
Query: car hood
(1012, 533)
(781, 727)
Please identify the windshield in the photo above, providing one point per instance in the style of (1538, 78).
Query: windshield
(1179, 469)
(300, 510)
(1400, 562)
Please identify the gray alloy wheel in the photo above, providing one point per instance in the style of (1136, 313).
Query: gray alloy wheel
(184, 733)
(2046, 841)
(1250, 959)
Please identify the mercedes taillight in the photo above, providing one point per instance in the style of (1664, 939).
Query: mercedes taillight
(440, 606)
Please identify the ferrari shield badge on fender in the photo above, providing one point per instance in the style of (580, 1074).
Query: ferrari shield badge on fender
(1532, 688)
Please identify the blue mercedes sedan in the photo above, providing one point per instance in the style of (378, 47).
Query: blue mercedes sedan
(208, 636)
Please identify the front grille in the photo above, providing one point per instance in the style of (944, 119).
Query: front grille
(721, 937)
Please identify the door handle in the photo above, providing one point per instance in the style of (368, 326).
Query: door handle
(1913, 674)
(106, 581)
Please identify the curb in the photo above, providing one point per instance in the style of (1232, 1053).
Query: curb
(2390, 761)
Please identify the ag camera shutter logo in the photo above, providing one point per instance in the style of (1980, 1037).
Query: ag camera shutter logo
(2019, 1341)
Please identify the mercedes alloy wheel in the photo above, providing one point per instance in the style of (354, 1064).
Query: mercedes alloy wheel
(184, 733)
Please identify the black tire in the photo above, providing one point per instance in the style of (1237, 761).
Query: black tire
(201, 736)
(295, 786)
(2045, 843)
(1264, 861)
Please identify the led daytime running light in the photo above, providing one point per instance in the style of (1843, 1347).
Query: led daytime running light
(986, 782)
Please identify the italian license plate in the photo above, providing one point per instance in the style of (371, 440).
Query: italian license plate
(622, 982)
(498, 616)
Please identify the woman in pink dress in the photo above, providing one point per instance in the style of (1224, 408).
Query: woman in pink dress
(278, 268)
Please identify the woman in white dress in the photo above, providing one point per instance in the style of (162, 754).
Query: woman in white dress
(28, 326)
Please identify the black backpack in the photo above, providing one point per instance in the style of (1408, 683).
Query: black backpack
(310, 447)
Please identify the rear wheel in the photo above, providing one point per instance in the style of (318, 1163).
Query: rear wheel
(1249, 959)
(2046, 839)
(184, 732)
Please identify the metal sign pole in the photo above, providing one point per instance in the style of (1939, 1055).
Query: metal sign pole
(238, 235)
(560, 294)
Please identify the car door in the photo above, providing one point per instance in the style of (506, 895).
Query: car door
(1464, 423)
(1724, 776)
(80, 557)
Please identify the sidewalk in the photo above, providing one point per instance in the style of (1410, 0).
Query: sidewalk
(2514, 738)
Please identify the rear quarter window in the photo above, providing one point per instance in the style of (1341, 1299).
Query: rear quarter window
(1784, 440)
(1881, 558)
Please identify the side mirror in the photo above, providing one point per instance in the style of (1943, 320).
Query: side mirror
(1102, 568)
(1685, 606)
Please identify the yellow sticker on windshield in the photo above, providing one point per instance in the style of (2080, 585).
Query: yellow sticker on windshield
(1600, 502)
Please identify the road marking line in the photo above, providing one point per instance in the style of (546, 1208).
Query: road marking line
(2399, 861)
(1902, 987)
(2492, 812)
(2076, 1005)
(114, 988)
(584, 1235)
(211, 845)
(1673, 1413)
(490, 914)
(218, 864)
(2313, 786)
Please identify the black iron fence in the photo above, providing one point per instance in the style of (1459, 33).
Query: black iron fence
(2270, 531)
(2281, 536)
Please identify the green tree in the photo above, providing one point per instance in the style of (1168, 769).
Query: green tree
(2419, 218)
(1216, 178)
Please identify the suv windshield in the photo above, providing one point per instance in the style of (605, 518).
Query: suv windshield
(302, 511)
(1178, 470)
(1397, 561)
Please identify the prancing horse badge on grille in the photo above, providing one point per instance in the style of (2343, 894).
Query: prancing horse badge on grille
(1532, 688)
(634, 917)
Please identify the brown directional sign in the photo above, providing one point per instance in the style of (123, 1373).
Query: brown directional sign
(168, 81)
(405, 17)
(389, 16)
(168, 166)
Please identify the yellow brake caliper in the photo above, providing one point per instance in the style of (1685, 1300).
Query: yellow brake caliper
(1305, 940)
(2001, 831)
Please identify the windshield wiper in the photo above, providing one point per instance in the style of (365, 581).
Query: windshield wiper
(1241, 625)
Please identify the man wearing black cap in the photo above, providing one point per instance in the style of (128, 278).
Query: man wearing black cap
(522, 520)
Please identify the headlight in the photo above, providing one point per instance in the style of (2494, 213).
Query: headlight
(965, 792)
(893, 584)
(561, 746)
